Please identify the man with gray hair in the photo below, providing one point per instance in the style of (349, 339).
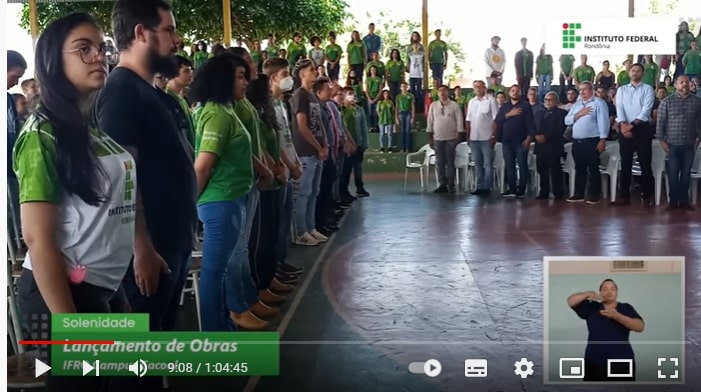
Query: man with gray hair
(589, 118)
(549, 147)
(444, 123)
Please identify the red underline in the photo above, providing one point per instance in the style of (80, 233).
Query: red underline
(47, 342)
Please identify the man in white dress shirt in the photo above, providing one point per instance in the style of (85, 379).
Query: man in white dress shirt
(479, 121)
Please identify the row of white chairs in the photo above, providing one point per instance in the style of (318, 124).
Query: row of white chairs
(610, 166)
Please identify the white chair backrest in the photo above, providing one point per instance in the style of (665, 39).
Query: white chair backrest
(611, 157)
(659, 157)
(569, 159)
(531, 156)
(696, 167)
(498, 156)
(462, 154)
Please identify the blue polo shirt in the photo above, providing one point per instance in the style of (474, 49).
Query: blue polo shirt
(604, 330)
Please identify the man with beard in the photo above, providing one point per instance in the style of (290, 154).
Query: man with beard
(144, 120)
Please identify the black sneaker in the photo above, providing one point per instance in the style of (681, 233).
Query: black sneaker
(441, 189)
(290, 269)
(593, 201)
(508, 193)
(520, 195)
(575, 199)
(362, 193)
(451, 189)
(542, 197)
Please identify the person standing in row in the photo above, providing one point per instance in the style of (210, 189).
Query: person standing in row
(549, 148)
(515, 128)
(479, 121)
(444, 124)
(523, 62)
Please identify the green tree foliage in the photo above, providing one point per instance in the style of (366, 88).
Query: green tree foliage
(202, 19)
(397, 33)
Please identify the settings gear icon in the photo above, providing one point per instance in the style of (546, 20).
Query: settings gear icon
(523, 368)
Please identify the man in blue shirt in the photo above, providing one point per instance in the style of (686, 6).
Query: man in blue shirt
(16, 66)
(372, 42)
(589, 118)
(634, 103)
(515, 129)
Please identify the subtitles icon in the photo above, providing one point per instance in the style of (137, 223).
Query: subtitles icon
(619, 368)
(571, 367)
(139, 368)
(675, 364)
(475, 368)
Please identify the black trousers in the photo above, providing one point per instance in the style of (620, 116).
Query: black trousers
(524, 83)
(354, 164)
(550, 171)
(640, 143)
(263, 238)
(586, 166)
(324, 201)
(88, 299)
(596, 372)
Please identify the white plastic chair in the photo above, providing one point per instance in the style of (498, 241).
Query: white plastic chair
(462, 163)
(425, 152)
(696, 176)
(658, 163)
(499, 168)
(533, 169)
(568, 167)
(194, 279)
(610, 165)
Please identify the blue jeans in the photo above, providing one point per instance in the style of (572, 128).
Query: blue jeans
(241, 290)
(415, 86)
(437, 71)
(305, 205)
(223, 222)
(394, 89)
(483, 155)
(405, 127)
(515, 153)
(544, 82)
(286, 208)
(372, 115)
(680, 159)
(386, 134)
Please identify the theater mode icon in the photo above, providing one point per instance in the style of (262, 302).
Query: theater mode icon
(571, 368)
(475, 368)
(619, 368)
(675, 364)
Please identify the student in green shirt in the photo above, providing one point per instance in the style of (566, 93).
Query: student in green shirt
(460, 99)
(566, 67)
(623, 77)
(356, 55)
(224, 178)
(373, 88)
(334, 53)
(544, 73)
(584, 73)
(668, 85)
(353, 82)
(176, 88)
(296, 50)
(386, 120)
(692, 61)
(395, 72)
(496, 87)
(438, 56)
(356, 123)
(375, 62)
(651, 72)
(405, 108)
(256, 52)
(200, 55)
(271, 47)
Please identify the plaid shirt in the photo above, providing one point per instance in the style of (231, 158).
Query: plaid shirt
(679, 120)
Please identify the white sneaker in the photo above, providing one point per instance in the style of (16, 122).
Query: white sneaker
(307, 240)
(318, 236)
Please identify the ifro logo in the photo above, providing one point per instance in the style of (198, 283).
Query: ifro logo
(569, 35)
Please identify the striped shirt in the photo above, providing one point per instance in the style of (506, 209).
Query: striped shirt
(679, 120)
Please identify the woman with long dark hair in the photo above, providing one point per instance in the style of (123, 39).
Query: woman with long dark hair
(224, 177)
(77, 188)
(356, 55)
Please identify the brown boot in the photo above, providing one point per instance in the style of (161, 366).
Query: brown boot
(248, 321)
(268, 297)
(278, 287)
(264, 311)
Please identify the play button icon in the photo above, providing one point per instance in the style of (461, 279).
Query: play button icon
(432, 368)
(40, 368)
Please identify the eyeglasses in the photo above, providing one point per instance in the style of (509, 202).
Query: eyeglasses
(89, 53)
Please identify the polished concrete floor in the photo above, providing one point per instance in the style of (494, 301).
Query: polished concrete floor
(413, 276)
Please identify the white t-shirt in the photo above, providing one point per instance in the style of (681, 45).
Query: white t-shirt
(285, 134)
(495, 59)
(481, 113)
(99, 238)
(416, 64)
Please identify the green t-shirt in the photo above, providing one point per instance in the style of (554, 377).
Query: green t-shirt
(200, 58)
(356, 53)
(584, 73)
(434, 95)
(623, 78)
(295, 50)
(272, 51)
(692, 62)
(221, 133)
(385, 112)
(544, 65)
(670, 90)
(651, 74)
(374, 86)
(462, 101)
(395, 70)
(255, 56)
(684, 41)
(359, 95)
(183, 54)
(333, 52)
(566, 64)
(381, 69)
(272, 147)
(498, 88)
(248, 115)
(436, 51)
(405, 102)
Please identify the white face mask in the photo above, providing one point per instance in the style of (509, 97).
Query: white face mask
(287, 83)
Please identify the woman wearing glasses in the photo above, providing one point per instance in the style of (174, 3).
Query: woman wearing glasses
(77, 188)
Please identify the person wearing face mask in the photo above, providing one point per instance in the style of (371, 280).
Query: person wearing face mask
(278, 71)
(355, 82)
(357, 125)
